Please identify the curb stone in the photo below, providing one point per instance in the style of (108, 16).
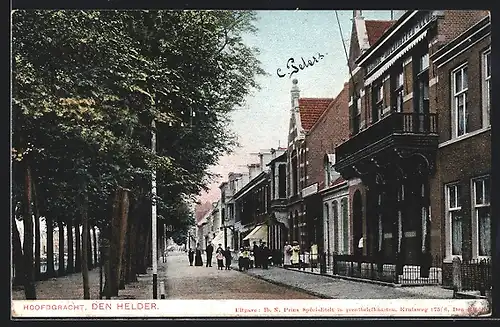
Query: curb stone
(295, 288)
(354, 279)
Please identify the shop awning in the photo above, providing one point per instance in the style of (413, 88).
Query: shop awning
(379, 72)
(258, 233)
(218, 239)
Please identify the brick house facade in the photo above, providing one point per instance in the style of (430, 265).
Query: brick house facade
(329, 130)
(392, 154)
(303, 115)
(460, 192)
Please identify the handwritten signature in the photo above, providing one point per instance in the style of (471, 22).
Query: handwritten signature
(293, 68)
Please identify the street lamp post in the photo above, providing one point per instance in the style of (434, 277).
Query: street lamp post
(154, 216)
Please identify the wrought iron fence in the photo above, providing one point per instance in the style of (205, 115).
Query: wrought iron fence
(472, 275)
(390, 270)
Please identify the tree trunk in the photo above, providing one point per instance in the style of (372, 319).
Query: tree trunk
(61, 270)
(96, 246)
(85, 248)
(147, 247)
(29, 283)
(89, 250)
(69, 235)
(132, 241)
(17, 253)
(78, 247)
(50, 246)
(124, 208)
(141, 244)
(115, 244)
(37, 233)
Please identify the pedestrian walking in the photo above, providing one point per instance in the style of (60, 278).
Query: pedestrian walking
(228, 258)
(256, 254)
(295, 254)
(209, 250)
(198, 261)
(265, 253)
(191, 256)
(287, 255)
(219, 256)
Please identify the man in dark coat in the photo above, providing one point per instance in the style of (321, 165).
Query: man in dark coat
(264, 253)
(256, 254)
(191, 256)
(228, 257)
(209, 250)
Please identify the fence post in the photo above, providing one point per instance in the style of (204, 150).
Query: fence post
(334, 264)
(482, 276)
(456, 276)
(322, 263)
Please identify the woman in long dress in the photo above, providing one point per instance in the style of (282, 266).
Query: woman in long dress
(191, 256)
(197, 258)
(295, 254)
(287, 256)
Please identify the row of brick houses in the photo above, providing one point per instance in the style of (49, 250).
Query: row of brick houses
(397, 166)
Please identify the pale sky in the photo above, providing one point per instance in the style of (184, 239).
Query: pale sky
(263, 123)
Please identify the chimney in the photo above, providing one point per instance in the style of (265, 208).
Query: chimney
(295, 92)
(357, 14)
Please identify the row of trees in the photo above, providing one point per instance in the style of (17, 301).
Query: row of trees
(89, 89)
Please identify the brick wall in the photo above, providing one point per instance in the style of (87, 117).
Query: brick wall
(330, 130)
(441, 90)
(456, 22)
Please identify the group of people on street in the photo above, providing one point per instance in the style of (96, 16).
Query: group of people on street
(222, 256)
(291, 255)
(258, 256)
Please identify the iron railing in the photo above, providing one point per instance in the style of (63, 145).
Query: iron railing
(396, 122)
(372, 268)
(472, 275)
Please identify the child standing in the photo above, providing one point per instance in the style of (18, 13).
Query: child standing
(220, 259)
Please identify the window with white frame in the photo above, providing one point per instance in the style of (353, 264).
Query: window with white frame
(481, 216)
(486, 87)
(459, 98)
(454, 219)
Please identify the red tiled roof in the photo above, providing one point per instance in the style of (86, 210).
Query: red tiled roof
(311, 109)
(338, 181)
(376, 28)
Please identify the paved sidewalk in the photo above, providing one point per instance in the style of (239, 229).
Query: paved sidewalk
(336, 288)
(70, 287)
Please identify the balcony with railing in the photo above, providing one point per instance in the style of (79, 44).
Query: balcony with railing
(398, 130)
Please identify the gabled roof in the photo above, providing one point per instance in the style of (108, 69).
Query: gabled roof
(376, 28)
(338, 102)
(311, 109)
